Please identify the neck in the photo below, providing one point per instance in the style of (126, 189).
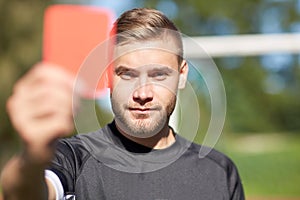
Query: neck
(161, 140)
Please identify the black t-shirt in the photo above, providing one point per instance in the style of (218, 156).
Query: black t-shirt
(106, 165)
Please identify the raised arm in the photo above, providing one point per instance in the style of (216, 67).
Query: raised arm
(40, 110)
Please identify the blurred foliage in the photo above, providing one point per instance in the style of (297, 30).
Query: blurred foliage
(251, 106)
(263, 92)
(252, 109)
(20, 48)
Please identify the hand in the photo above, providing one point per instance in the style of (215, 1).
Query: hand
(41, 109)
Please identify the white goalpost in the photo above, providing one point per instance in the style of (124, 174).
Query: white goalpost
(243, 45)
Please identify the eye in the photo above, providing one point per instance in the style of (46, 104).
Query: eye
(159, 75)
(128, 75)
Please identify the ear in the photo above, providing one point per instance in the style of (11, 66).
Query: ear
(183, 73)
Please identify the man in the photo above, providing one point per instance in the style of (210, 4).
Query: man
(137, 156)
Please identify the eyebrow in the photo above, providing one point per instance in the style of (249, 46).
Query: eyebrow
(163, 68)
(122, 69)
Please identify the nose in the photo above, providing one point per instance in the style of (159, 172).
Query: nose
(143, 92)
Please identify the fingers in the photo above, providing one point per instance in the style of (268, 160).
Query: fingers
(45, 100)
(41, 106)
(45, 72)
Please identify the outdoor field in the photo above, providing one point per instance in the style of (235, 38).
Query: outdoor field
(269, 164)
(253, 44)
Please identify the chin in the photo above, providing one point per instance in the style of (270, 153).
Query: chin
(145, 128)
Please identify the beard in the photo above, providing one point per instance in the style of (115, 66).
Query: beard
(142, 125)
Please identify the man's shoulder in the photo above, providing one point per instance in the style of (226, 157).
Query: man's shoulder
(216, 166)
(81, 144)
(211, 155)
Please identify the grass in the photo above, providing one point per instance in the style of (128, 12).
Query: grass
(269, 164)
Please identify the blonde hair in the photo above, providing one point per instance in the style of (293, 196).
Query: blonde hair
(144, 24)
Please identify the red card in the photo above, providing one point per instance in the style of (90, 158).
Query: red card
(71, 32)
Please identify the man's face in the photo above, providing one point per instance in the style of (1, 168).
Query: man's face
(144, 91)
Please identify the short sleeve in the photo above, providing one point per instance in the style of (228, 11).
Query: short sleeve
(234, 182)
(67, 162)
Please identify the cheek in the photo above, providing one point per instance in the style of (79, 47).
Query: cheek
(121, 90)
(169, 85)
(167, 88)
(164, 95)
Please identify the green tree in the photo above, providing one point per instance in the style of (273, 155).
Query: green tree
(251, 108)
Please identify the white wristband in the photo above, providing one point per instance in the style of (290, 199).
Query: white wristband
(54, 179)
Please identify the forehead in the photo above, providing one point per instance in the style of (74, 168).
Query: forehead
(149, 52)
(147, 57)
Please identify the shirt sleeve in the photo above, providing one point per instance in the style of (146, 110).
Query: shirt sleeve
(66, 163)
(235, 184)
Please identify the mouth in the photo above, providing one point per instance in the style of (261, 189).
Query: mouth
(141, 110)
